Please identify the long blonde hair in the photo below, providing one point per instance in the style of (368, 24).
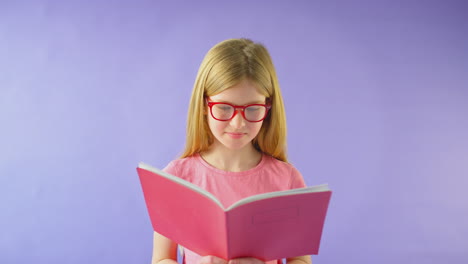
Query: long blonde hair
(225, 65)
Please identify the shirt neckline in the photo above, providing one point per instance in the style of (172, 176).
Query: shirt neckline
(253, 170)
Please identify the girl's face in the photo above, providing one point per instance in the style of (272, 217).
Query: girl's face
(236, 133)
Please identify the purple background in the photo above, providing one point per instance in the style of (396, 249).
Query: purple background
(376, 94)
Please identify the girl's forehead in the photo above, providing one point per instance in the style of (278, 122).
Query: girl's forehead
(238, 98)
(244, 92)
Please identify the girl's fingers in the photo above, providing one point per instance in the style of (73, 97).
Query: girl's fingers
(212, 260)
(246, 261)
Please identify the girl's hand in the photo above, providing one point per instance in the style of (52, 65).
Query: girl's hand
(246, 261)
(212, 260)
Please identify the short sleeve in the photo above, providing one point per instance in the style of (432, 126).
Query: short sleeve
(171, 168)
(297, 181)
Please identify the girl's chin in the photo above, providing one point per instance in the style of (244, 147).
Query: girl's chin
(235, 145)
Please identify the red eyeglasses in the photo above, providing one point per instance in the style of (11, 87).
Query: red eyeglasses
(226, 111)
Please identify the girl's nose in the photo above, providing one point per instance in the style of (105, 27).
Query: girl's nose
(238, 120)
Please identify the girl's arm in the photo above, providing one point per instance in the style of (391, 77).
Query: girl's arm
(164, 250)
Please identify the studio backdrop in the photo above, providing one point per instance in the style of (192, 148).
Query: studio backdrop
(376, 96)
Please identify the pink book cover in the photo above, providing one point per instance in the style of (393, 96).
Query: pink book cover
(268, 226)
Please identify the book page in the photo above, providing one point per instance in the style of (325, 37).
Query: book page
(316, 188)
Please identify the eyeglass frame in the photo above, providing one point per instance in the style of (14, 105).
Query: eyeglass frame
(242, 107)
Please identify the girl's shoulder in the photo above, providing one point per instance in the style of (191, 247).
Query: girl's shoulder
(277, 164)
(180, 162)
(182, 167)
(285, 170)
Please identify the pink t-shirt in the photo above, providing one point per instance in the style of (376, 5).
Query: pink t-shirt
(229, 187)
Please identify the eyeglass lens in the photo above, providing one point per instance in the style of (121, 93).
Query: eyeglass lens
(225, 112)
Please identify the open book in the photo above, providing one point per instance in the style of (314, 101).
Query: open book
(267, 226)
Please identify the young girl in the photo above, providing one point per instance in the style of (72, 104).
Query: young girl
(236, 137)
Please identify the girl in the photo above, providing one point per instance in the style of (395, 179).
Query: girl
(236, 137)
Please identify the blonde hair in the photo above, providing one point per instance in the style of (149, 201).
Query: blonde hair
(225, 65)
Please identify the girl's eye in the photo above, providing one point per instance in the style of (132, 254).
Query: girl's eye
(253, 108)
(224, 107)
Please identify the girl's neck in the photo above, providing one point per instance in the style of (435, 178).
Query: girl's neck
(232, 160)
